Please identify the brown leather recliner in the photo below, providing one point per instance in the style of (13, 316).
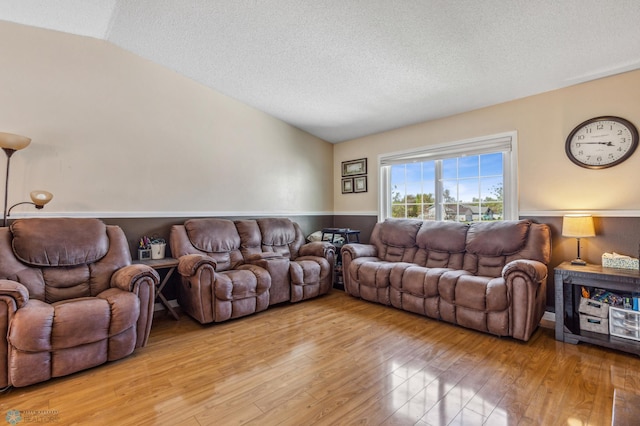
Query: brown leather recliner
(69, 298)
(233, 269)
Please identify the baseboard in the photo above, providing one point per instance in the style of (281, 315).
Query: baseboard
(549, 316)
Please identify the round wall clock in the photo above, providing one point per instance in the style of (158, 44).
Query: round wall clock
(602, 142)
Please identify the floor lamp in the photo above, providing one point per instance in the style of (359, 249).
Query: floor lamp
(11, 143)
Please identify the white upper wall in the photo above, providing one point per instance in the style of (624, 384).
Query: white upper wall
(117, 135)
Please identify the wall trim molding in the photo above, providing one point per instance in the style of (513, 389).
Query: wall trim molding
(152, 214)
(149, 214)
(601, 213)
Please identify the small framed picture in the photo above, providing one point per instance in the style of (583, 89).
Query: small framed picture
(347, 185)
(144, 254)
(360, 184)
(354, 167)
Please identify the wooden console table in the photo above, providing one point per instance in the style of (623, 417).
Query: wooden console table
(568, 282)
(169, 263)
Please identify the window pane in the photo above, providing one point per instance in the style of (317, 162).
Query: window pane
(450, 212)
(398, 211)
(450, 168)
(449, 191)
(468, 166)
(491, 164)
(469, 190)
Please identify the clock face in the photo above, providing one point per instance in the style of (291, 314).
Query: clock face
(602, 142)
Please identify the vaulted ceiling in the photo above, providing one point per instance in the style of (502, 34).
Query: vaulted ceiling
(342, 69)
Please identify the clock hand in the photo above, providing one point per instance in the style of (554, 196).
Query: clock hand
(597, 143)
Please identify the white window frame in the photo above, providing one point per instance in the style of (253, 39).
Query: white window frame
(507, 143)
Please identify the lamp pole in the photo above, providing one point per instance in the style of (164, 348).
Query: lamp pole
(9, 152)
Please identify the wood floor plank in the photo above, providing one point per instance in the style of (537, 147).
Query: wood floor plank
(337, 360)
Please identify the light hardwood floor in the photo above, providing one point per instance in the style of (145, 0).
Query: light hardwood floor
(336, 360)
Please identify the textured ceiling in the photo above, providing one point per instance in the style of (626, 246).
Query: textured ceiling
(341, 69)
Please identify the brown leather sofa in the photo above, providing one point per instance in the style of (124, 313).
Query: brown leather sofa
(69, 298)
(488, 276)
(230, 269)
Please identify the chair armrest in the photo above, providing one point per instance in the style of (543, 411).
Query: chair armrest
(130, 277)
(188, 264)
(317, 248)
(15, 291)
(356, 250)
(142, 281)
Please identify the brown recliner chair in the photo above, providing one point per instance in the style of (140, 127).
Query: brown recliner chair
(70, 298)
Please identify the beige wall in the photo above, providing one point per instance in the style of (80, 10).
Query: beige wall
(117, 135)
(549, 182)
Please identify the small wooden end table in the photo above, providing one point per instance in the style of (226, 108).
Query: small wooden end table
(171, 264)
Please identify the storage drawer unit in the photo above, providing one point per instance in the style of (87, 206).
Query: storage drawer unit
(624, 323)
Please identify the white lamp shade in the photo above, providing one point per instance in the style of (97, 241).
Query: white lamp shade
(578, 226)
(40, 198)
(11, 141)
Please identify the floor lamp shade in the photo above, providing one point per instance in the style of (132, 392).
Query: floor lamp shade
(11, 143)
(14, 142)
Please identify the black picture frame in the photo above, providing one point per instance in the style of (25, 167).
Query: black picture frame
(347, 185)
(354, 167)
(360, 184)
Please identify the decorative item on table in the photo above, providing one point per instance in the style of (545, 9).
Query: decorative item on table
(158, 246)
(578, 226)
(144, 248)
(621, 261)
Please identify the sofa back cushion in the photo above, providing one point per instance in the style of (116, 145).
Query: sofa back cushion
(441, 244)
(217, 238)
(395, 239)
(276, 235)
(491, 245)
(62, 258)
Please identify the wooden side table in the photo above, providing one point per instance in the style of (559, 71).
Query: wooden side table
(171, 264)
(568, 282)
(350, 236)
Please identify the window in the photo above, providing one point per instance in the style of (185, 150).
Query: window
(466, 181)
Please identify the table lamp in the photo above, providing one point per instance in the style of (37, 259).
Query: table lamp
(578, 226)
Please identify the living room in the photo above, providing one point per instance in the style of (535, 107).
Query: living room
(118, 137)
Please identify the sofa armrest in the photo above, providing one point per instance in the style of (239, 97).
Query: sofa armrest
(130, 277)
(317, 248)
(536, 271)
(356, 250)
(526, 282)
(189, 264)
(15, 291)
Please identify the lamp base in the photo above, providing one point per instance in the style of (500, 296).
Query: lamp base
(578, 262)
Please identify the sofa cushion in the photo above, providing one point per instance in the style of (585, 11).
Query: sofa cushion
(212, 235)
(399, 232)
(59, 241)
(218, 238)
(441, 244)
(500, 238)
